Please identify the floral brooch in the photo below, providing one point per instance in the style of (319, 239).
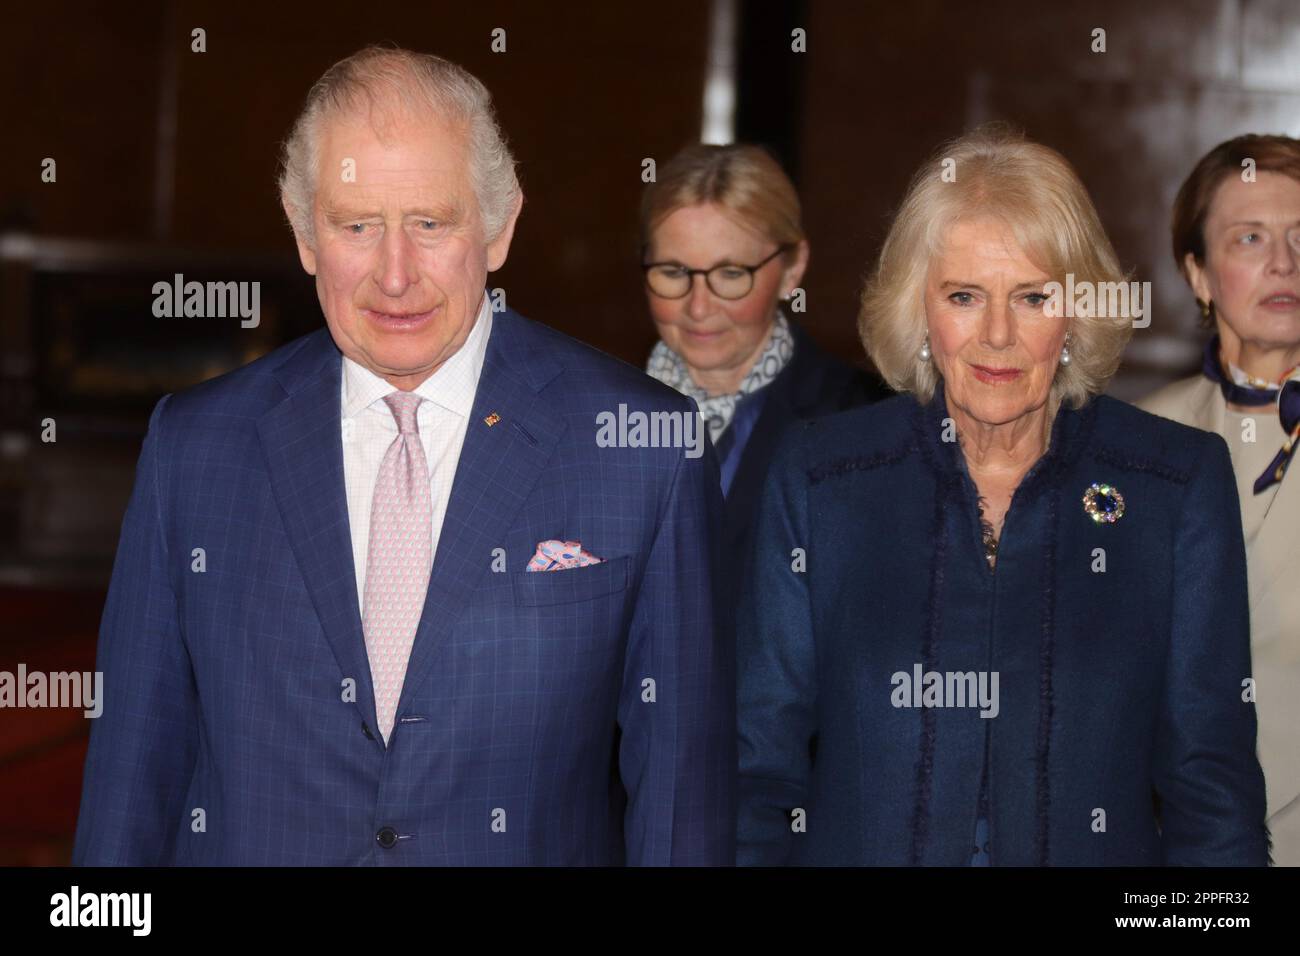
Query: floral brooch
(1103, 503)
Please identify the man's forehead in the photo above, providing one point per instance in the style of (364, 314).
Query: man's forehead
(419, 154)
(424, 136)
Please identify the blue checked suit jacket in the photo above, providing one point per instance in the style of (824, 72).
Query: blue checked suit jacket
(583, 716)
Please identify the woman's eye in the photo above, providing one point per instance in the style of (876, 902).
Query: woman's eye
(671, 272)
(1036, 299)
(733, 273)
(961, 298)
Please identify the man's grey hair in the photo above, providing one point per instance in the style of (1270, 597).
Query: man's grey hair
(377, 77)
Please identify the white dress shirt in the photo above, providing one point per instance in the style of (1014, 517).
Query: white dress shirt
(369, 428)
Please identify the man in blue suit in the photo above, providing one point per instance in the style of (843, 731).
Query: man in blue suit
(391, 594)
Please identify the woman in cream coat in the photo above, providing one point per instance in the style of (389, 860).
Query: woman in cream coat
(1236, 237)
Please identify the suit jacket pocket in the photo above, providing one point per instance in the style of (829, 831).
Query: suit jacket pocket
(572, 584)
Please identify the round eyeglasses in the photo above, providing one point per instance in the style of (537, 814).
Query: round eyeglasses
(672, 280)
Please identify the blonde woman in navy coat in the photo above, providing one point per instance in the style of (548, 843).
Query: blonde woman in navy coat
(1000, 619)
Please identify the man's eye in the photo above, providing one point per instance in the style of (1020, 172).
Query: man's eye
(428, 225)
(733, 273)
(671, 272)
(1250, 238)
(355, 228)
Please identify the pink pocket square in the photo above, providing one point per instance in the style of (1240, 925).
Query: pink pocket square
(558, 555)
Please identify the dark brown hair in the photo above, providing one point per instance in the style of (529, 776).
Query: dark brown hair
(1271, 154)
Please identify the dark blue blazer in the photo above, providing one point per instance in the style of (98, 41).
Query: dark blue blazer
(813, 384)
(527, 731)
(1122, 735)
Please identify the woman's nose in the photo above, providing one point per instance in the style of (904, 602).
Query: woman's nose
(699, 301)
(999, 325)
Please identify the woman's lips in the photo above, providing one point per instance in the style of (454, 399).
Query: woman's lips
(1281, 302)
(995, 376)
(399, 321)
(701, 336)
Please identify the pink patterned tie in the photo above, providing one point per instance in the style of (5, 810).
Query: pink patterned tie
(399, 560)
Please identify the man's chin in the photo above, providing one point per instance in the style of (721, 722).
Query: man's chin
(406, 363)
(403, 358)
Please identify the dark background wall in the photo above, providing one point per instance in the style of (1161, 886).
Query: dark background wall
(167, 159)
(584, 92)
(886, 84)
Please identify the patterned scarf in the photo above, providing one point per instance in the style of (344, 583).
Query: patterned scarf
(668, 367)
(1246, 390)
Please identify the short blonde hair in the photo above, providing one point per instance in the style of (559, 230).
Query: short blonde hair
(379, 77)
(745, 180)
(1035, 191)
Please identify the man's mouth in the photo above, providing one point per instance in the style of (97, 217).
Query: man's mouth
(399, 320)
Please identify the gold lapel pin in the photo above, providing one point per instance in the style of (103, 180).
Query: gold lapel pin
(492, 419)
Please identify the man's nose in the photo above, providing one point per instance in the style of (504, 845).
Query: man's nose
(397, 268)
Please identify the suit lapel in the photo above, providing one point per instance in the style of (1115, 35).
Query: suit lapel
(1277, 535)
(1208, 409)
(794, 393)
(302, 439)
(499, 465)
(775, 416)
(1277, 539)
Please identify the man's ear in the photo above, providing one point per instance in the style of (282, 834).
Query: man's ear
(306, 254)
(1197, 278)
(499, 248)
(793, 273)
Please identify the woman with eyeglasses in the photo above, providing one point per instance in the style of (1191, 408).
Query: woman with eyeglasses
(722, 249)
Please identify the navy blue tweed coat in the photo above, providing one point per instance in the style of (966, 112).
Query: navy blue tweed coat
(1124, 732)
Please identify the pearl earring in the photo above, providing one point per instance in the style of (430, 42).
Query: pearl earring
(925, 350)
(1065, 351)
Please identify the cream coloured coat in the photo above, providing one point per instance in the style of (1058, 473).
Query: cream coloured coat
(1273, 562)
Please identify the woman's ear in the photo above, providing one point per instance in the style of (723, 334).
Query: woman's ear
(1197, 278)
(793, 273)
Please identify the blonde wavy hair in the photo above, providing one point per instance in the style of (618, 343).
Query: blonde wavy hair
(1034, 190)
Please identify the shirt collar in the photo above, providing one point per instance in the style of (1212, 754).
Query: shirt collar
(452, 386)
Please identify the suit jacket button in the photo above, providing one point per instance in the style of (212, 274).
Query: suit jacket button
(387, 838)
